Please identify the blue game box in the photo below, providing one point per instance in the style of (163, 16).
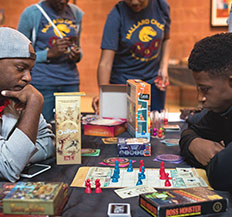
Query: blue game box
(134, 147)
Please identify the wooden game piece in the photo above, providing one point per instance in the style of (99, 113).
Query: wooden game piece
(98, 189)
(88, 187)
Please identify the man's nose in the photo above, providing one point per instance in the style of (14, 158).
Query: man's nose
(27, 76)
(201, 97)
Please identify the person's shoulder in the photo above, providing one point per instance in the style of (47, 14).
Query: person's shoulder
(76, 8)
(30, 9)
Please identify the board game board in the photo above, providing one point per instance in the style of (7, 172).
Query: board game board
(180, 177)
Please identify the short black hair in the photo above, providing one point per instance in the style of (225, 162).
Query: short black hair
(213, 54)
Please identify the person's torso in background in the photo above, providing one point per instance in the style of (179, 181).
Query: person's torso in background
(139, 48)
(60, 70)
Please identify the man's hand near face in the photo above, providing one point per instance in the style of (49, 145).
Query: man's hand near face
(204, 150)
(32, 100)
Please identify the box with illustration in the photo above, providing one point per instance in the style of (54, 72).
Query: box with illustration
(138, 108)
(134, 147)
(68, 127)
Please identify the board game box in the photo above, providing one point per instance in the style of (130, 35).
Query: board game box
(182, 202)
(68, 127)
(36, 198)
(134, 147)
(138, 108)
(107, 127)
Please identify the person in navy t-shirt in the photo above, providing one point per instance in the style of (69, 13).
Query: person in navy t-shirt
(136, 45)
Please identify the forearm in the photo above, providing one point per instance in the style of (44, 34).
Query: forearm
(103, 75)
(44, 142)
(219, 170)
(187, 137)
(15, 154)
(166, 48)
(30, 118)
(105, 67)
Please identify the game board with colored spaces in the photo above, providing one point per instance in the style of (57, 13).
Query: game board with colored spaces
(179, 177)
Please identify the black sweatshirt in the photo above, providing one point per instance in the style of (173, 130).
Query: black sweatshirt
(216, 127)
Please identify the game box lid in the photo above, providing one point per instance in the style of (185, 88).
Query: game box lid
(183, 202)
(35, 198)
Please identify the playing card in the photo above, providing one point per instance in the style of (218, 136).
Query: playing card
(134, 191)
(110, 140)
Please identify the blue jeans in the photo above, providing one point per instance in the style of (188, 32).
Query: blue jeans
(157, 98)
(49, 99)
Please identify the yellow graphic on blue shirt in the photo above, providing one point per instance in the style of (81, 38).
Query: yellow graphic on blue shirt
(148, 42)
(65, 27)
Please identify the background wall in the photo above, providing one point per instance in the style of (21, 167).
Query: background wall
(190, 23)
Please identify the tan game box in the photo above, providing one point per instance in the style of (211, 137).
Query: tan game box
(68, 127)
(138, 108)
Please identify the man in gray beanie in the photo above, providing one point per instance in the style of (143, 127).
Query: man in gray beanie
(24, 135)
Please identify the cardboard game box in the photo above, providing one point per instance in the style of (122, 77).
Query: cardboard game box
(113, 101)
(106, 127)
(138, 108)
(68, 127)
(134, 147)
(182, 202)
(36, 198)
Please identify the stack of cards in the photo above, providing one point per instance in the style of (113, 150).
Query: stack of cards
(170, 142)
(134, 191)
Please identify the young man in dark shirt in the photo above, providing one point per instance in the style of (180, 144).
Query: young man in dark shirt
(208, 143)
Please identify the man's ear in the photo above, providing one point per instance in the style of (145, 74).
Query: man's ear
(230, 80)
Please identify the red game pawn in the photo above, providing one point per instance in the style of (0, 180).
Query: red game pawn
(98, 190)
(167, 182)
(141, 165)
(88, 187)
(162, 169)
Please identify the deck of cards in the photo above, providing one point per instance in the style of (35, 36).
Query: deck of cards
(119, 210)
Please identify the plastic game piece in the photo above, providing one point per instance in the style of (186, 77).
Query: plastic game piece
(88, 187)
(130, 167)
(98, 189)
(139, 182)
(141, 164)
(162, 171)
(116, 175)
(154, 132)
(114, 179)
(167, 182)
(143, 176)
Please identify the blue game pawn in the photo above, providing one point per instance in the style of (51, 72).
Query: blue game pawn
(116, 175)
(116, 167)
(139, 182)
(143, 176)
(114, 179)
(130, 168)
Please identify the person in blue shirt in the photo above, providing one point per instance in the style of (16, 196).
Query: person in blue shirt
(57, 48)
(136, 45)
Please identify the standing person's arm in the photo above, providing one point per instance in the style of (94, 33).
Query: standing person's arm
(105, 66)
(163, 70)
